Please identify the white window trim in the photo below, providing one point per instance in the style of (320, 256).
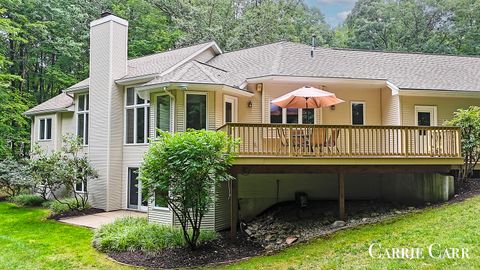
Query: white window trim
(185, 108)
(45, 129)
(83, 191)
(162, 208)
(426, 108)
(234, 101)
(172, 113)
(300, 115)
(146, 118)
(84, 112)
(364, 112)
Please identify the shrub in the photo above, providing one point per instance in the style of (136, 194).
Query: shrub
(66, 205)
(134, 233)
(27, 200)
(14, 178)
(182, 169)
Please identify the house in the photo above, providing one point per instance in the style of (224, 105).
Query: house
(387, 141)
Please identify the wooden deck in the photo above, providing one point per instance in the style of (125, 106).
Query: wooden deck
(343, 144)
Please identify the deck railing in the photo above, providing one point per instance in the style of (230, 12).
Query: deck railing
(292, 140)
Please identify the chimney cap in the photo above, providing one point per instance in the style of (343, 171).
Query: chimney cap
(105, 14)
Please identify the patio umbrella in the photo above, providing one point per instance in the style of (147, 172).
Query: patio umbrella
(307, 97)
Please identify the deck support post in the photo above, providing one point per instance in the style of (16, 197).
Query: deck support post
(341, 196)
(233, 206)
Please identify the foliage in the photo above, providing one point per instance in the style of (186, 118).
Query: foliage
(134, 233)
(27, 200)
(60, 206)
(14, 177)
(31, 241)
(469, 122)
(63, 170)
(185, 167)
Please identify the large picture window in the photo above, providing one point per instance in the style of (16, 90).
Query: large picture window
(196, 111)
(82, 117)
(137, 111)
(45, 129)
(291, 115)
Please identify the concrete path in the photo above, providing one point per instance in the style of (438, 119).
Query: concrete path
(97, 220)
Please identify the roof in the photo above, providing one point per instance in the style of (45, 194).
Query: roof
(156, 64)
(405, 70)
(59, 103)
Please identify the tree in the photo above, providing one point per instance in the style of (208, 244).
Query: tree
(63, 169)
(469, 122)
(14, 177)
(186, 167)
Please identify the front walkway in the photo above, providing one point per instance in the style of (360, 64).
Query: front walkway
(96, 220)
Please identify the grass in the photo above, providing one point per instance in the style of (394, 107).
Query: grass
(29, 241)
(135, 233)
(454, 225)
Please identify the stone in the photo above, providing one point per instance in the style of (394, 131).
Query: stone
(279, 241)
(374, 214)
(247, 231)
(364, 219)
(398, 212)
(290, 240)
(268, 237)
(338, 223)
(411, 208)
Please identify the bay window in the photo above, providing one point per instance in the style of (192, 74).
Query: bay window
(196, 111)
(137, 111)
(164, 112)
(82, 118)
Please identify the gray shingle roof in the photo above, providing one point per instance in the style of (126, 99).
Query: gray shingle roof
(61, 102)
(405, 70)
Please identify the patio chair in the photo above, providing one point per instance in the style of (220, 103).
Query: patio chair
(317, 138)
(281, 133)
(331, 143)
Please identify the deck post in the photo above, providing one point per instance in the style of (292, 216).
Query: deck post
(233, 206)
(341, 196)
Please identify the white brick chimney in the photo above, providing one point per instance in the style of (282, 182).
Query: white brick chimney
(108, 62)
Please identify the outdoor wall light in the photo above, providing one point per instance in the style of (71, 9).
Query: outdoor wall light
(332, 107)
(259, 87)
(250, 104)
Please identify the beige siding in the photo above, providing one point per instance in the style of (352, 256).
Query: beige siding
(162, 216)
(390, 108)
(446, 106)
(342, 113)
(47, 145)
(108, 61)
(222, 207)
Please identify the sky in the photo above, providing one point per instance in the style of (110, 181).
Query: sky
(335, 11)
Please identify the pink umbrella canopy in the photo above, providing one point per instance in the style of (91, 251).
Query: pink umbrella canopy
(307, 97)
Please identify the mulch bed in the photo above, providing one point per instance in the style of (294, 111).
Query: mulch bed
(222, 250)
(75, 213)
(225, 250)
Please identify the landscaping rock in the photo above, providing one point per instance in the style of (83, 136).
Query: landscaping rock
(290, 240)
(338, 223)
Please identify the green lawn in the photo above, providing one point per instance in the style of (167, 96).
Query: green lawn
(29, 241)
(455, 225)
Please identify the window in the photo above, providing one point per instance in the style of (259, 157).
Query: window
(196, 111)
(358, 113)
(276, 114)
(291, 115)
(82, 118)
(81, 187)
(135, 191)
(163, 112)
(137, 124)
(308, 116)
(45, 129)
(229, 109)
(160, 199)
